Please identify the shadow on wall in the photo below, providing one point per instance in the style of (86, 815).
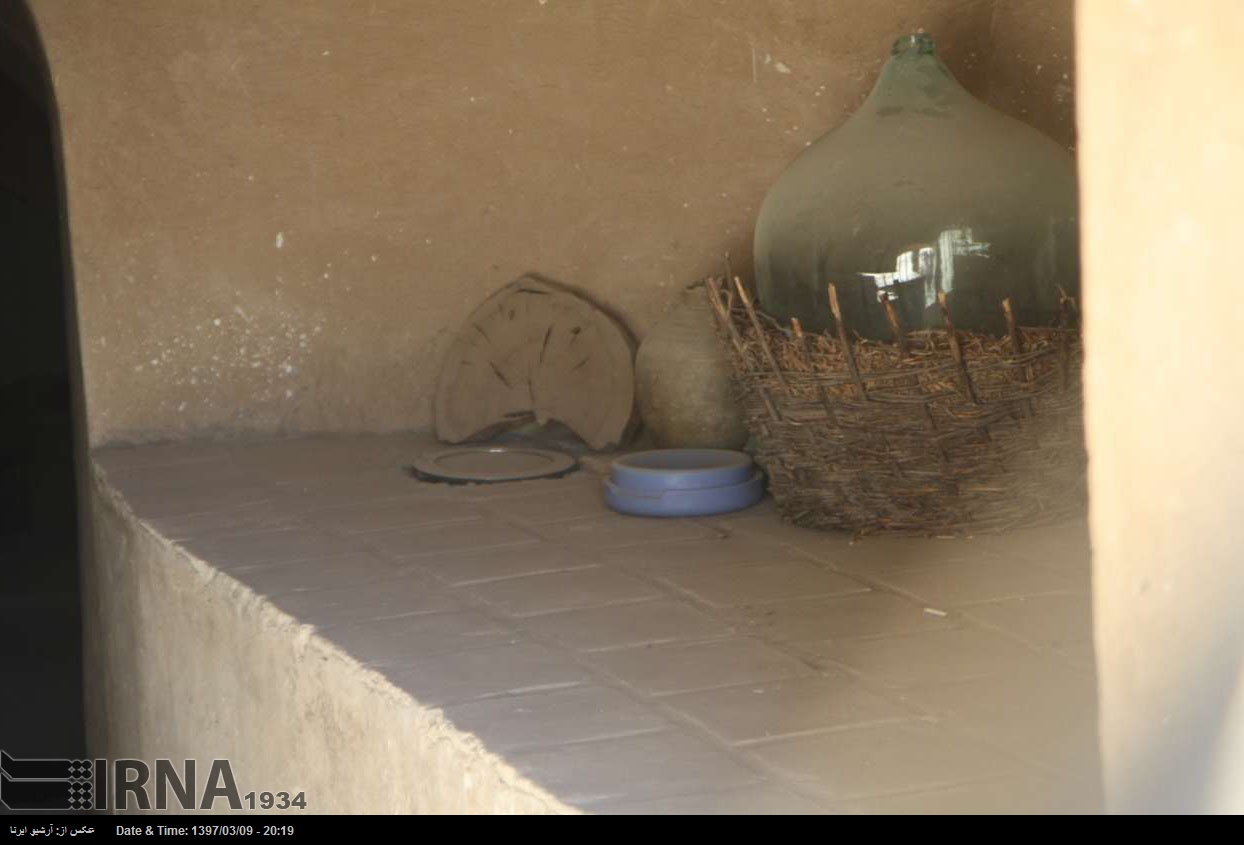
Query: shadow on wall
(41, 436)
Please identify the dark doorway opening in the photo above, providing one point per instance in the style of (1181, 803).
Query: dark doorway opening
(41, 710)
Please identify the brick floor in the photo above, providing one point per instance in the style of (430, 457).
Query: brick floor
(726, 665)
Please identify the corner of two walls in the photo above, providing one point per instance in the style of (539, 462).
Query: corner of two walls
(280, 214)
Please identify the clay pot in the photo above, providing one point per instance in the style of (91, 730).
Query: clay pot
(683, 380)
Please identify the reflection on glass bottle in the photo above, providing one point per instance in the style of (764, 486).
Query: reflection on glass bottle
(924, 190)
(932, 267)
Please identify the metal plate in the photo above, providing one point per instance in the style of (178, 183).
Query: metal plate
(492, 464)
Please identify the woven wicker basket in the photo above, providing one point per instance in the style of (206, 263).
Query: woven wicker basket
(937, 433)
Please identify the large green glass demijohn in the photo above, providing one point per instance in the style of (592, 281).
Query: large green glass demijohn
(924, 190)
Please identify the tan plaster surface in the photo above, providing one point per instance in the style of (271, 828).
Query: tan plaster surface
(1162, 172)
(281, 211)
(187, 663)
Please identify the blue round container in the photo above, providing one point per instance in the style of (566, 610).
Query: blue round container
(704, 501)
(681, 469)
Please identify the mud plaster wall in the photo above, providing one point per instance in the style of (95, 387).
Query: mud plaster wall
(289, 711)
(280, 210)
(1162, 172)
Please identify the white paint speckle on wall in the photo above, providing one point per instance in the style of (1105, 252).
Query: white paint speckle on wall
(280, 239)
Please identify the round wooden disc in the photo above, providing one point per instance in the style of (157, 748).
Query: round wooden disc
(536, 350)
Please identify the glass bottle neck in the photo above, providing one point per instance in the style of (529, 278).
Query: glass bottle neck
(914, 79)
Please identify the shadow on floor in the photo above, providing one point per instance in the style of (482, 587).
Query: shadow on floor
(40, 615)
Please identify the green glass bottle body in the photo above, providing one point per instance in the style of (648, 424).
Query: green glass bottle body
(925, 190)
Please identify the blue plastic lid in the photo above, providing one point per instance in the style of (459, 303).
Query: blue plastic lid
(705, 501)
(681, 469)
